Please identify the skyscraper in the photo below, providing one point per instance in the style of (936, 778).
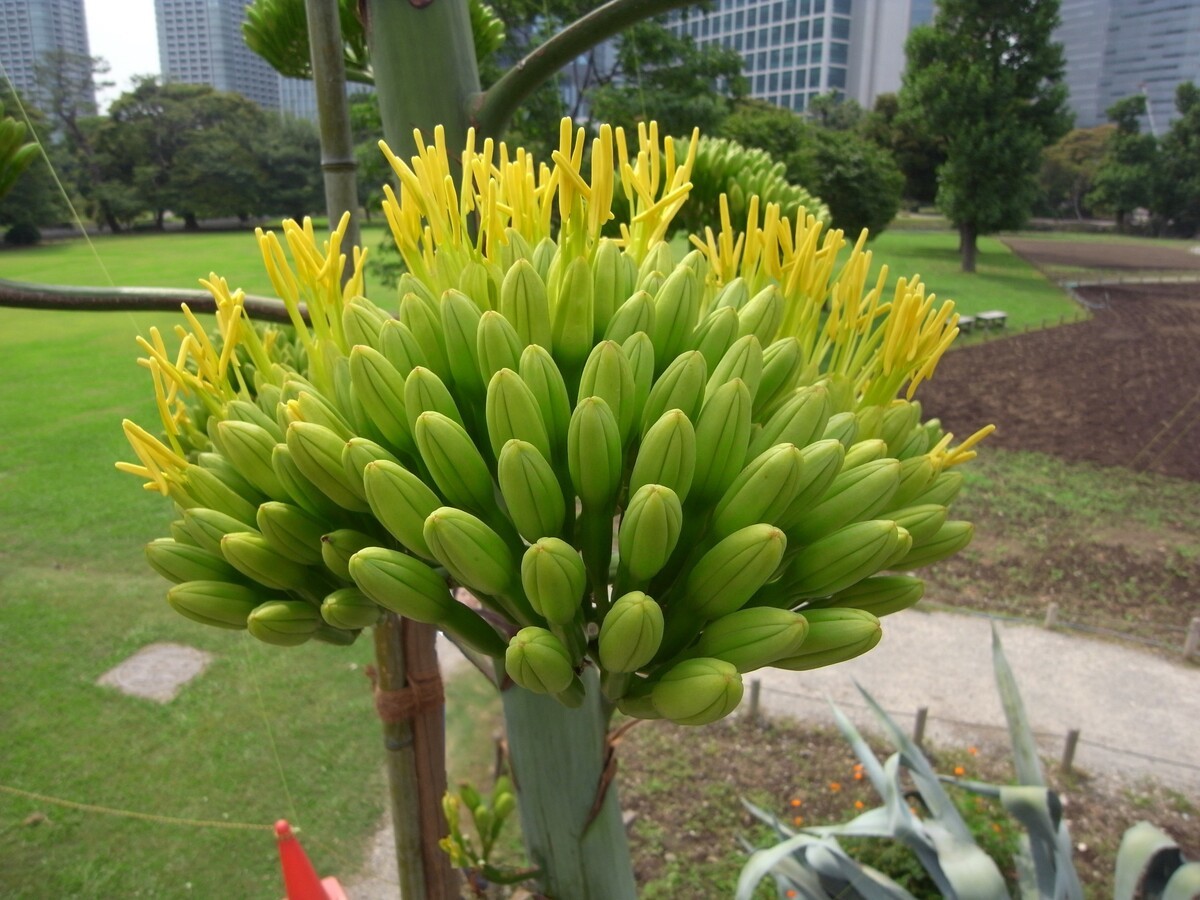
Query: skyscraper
(200, 42)
(793, 50)
(29, 29)
(1118, 48)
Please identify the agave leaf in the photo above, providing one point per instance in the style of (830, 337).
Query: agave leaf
(1027, 885)
(975, 787)
(1148, 853)
(841, 873)
(937, 800)
(762, 862)
(1025, 753)
(1184, 884)
(971, 872)
(864, 753)
(769, 818)
(1040, 811)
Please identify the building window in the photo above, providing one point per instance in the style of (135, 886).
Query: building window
(787, 57)
(803, 31)
(773, 81)
(818, 29)
(750, 40)
(814, 55)
(841, 29)
(841, 6)
(776, 34)
(775, 59)
(837, 77)
(838, 53)
(798, 102)
(760, 83)
(762, 59)
(751, 17)
(786, 81)
(789, 32)
(739, 19)
(818, 7)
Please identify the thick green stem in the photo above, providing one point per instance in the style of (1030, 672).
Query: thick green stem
(127, 299)
(425, 71)
(496, 107)
(559, 759)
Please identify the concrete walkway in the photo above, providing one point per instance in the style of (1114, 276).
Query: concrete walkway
(1144, 708)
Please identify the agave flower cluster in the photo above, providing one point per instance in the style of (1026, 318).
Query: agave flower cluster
(673, 471)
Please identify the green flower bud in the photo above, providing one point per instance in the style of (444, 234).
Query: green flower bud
(362, 321)
(715, 335)
(401, 502)
(667, 455)
(608, 375)
(425, 392)
(842, 427)
(207, 490)
(216, 603)
(454, 462)
(944, 489)
(608, 285)
(379, 388)
(179, 562)
(498, 346)
(723, 431)
(594, 453)
(460, 328)
(870, 450)
(538, 661)
(639, 350)
(358, 453)
(400, 347)
(763, 315)
(631, 633)
(762, 492)
(423, 319)
(800, 420)
(284, 623)
(634, 316)
(512, 411)
(292, 532)
(531, 491)
(881, 595)
(731, 572)
(538, 370)
(783, 362)
(735, 295)
(554, 578)
(249, 448)
(250, 554)
(649, 531)
(349, 608)
(855, 495)
(337, 548)
(752, 638)
(743, 360)
(676, 307)
(841, 559)
(948, 540)
(681, 387)
(834, 636)
(922, 522)
(207, 526)
(471, 551)
(697, 692)
(317, 452)
(524, 303)
(572, 316)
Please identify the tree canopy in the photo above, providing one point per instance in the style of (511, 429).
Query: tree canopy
(986, 79)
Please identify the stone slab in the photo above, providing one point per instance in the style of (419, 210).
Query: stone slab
(157, 672)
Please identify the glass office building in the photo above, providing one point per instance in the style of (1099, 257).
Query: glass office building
(29, 29)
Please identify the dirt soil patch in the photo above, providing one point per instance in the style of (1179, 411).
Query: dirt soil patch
(1120, 389)
(685, 786)
(1100, 255)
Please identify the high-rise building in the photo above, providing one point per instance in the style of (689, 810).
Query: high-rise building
(794, 50)
(30, 29)
(200, 42)
(1118, 48)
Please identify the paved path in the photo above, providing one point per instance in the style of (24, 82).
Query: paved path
(1117, 696)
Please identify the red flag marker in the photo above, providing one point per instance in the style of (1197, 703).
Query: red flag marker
(300, 879)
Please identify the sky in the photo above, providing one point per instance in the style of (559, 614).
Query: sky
(123, 32)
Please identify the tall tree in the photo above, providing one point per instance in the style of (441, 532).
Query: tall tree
(1126, 176)
(1069, 168)
(1179, 195)
(986, 78)
(918, 153)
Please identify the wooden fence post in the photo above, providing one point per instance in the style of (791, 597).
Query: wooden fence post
(1051, 616)
(1068, 757)
(1192, 644)
(919, 725)
(752, 712)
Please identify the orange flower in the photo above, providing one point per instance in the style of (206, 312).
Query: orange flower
(974, 751)
(858, 804)
(858, 776)
(789, 893)
(996, 827)
(798, 820)
(959, 770)
(796, 801)
(835, 786)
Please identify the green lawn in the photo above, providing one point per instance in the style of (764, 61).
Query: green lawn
(265, 733)
(1002, 280)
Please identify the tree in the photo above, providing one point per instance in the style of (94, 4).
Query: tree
(1125, 179)
(916, 151)
(186, 148)
(986, 78)
(1069, 169)
(833, 111)
(290, 157)
(857, 180)
(1178, 198)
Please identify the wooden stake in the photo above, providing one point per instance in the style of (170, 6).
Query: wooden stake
(752, 712)
(1051, 616)
(1068, 757)
(1192, 644)
(919, 725)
